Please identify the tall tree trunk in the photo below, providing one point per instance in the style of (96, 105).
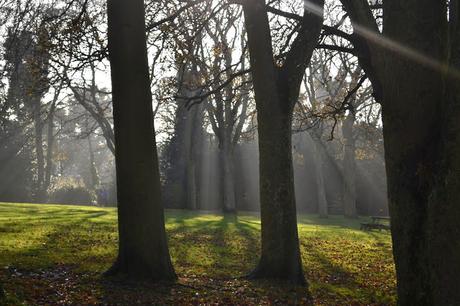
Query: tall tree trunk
(142, 252)
(349, 168)
(192, 146)
(191, 183)
(276, 92)
(444, 229)
(50, 145)
(191, 173)
(280, 255)
(319, 150)
(227, 175)
(420, 113)
(92, 165)
(39, 154)
(320, 188)
(413, 107)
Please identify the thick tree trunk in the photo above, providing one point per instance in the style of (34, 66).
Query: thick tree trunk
(444, 211)
(421, 133)
(276, 92)
(409, 170)
(280, 256)
(444, 228)
(143, 251)
(416, 158)
(349, 168)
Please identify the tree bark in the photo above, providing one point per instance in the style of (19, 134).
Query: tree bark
(412, 118)
(444, 229)
(143, 252)
(280, 257)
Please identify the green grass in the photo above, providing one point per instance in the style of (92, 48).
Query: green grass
(54, 254)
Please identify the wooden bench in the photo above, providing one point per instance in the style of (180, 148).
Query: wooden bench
(377, 223)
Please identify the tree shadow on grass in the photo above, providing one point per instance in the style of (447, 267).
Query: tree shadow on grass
(62, 238)
(216, 246)
(334, 276)
(227, 248)
(210, 255)
(50, 246)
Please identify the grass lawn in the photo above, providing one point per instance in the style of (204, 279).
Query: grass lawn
(54, 255)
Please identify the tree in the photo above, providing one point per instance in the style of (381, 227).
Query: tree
(227, 108)
(16, 157)
(208, 79)
(186, 143)
(413, 65)
(27, 61)
(349, 146)
(276, 89)
(320, 90)
(182, 153)
(143, 250)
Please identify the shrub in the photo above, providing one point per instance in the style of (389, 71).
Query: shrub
(70, 191)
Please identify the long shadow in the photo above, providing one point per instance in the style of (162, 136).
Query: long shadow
(338, 275)
(226, 240)
(231, 248)
(332, 221)
(187, 233)
(186, 239)
(45, 249)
